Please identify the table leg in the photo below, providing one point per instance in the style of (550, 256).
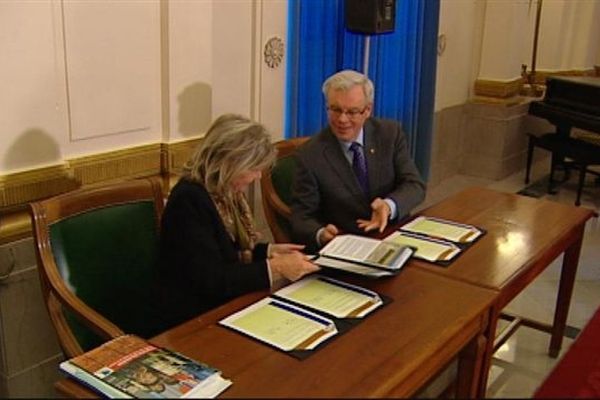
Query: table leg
(470, 366)
(486, 363)
(565, 291)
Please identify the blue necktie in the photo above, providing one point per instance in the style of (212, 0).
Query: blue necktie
(359, 165)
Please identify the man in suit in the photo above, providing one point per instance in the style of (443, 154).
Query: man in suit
(356, 174)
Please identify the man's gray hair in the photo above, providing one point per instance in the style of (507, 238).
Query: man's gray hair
(347, 79)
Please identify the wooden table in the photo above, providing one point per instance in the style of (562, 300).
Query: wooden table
(394, 352)
(524, 235)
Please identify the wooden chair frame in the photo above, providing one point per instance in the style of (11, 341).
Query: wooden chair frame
(273, 206)
(56, 294)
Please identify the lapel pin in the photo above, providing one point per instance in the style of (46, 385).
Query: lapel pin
(372, 151)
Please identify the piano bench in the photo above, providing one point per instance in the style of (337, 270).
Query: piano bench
(581, 153)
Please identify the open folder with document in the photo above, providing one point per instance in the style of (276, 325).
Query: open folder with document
(282, 325)
(363, 255)
(302, 315)
(430, 249)
(436, 240)
(333, 297)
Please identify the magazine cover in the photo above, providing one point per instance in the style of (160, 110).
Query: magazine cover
(142, 370)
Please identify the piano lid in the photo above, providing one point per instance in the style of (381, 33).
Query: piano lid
(570, 101)
(580, 93)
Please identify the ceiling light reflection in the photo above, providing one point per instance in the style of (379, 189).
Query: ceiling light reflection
(510, 243)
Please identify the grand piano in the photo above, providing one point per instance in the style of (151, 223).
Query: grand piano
(569, 102)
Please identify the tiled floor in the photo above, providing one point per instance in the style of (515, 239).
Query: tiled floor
(521, 364)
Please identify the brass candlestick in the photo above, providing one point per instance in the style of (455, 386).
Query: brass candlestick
(530, 86)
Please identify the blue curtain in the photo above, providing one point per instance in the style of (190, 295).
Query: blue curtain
(319, 46)
(402, 66)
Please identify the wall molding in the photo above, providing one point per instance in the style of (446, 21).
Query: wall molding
(120, 164)
(176, 154)
(496, 88)
(20, 188)
(505, 92)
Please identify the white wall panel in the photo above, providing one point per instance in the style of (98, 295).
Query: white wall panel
(271, 96)
(233, 57)
(460, 24)
(33, 123)
(112, 53)
(190, 67)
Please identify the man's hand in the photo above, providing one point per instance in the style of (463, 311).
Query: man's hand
(379, 217)
(283, 248)
(329, 232)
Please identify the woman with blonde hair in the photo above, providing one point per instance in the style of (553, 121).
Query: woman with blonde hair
(209, 247)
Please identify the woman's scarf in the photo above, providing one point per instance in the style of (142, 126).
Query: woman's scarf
(237, 218)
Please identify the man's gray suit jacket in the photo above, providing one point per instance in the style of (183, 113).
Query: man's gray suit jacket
(325, 189)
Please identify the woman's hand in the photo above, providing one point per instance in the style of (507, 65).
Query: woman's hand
(293, 265)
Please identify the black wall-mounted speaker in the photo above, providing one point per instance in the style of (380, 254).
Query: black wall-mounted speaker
(371, 16)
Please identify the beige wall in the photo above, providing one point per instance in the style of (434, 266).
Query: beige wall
(570, 34)
(461, 26)
(33, 97)
(87, 76)
(490, 39)
(91, 76)
(188, 33)
(74, 86)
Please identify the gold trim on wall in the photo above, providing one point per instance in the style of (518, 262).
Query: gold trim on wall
(19, 189)
(176, 154)
(120, 164)
(507, 90)
(23, 187)
(497, 89)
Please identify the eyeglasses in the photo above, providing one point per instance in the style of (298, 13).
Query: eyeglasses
(352, 113)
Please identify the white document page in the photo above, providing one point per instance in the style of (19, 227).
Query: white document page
(367, 251)
(427, 249)
(443, 229)
(350, 247)
(337, 298)
(282, 325)
(351, 267)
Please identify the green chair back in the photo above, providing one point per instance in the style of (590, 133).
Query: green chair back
(281, 176)
(276, 188)
(108, 258)
(97, 251)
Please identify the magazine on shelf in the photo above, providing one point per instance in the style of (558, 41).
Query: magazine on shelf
(363, 255)
(130, 367)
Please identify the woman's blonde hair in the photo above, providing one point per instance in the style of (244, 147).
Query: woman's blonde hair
(232, 145)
